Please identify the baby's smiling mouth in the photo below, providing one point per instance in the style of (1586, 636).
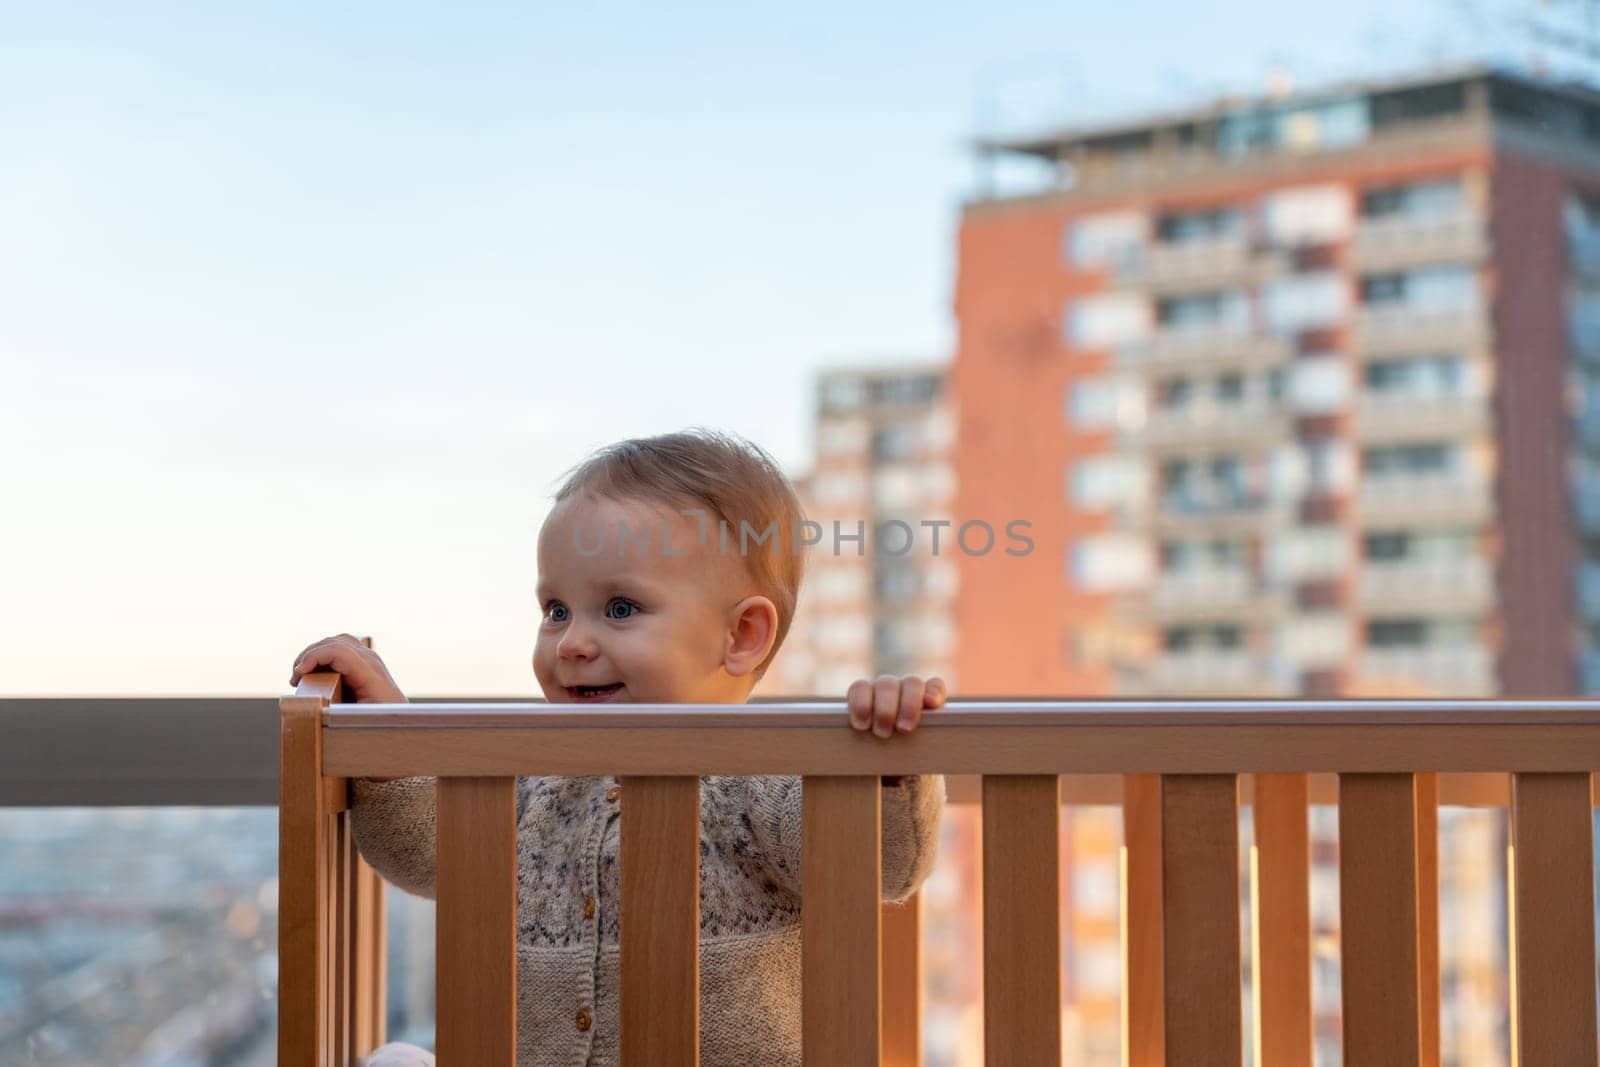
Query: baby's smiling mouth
(583, 694)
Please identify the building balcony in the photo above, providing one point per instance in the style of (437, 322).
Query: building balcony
(1217, 512)
(1424, 500)
(1401, 417)
(1397, 242)
(1206, 595)
(1209, 673)
(1175, 266)
(1387, 330)
(1456, 587)
(1207, 348)
(1207, 424)
(1438, 670)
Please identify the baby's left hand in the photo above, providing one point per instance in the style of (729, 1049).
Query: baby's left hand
(893, 703)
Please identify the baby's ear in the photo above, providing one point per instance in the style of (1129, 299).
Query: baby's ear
(752, 628)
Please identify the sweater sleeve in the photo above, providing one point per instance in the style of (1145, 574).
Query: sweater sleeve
(393, 824)
(910, 814)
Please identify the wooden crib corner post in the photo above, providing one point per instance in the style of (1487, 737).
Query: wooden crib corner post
(303, 875)
(331, 921)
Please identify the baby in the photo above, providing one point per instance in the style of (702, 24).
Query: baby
(650, 594)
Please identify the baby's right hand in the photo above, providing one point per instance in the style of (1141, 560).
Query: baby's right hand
(365, 676)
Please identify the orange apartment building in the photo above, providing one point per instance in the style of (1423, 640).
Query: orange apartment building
(1302, 396)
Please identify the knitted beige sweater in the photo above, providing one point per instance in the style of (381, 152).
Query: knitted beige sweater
(568, 846)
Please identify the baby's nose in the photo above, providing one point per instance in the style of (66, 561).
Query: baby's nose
(575, 643)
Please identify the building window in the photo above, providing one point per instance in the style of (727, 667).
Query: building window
(1319, 386)
(1415, 105)
(1114, 240)
(1429, 458)
(1211, 225)
(1110, 563)
(1307, 215)
(911, 390)
(1306, 301)
(1446, 287)
(1220, 636)
(1223, 309)
(1397, 633)
(894, 442)
(1230, 388)
(1438, 198)
(1175, 394)
(1181, 557)
(1106, 403)
(1108, 321)
(1108, 481)
(1418, 376)
(843, 394)
(1393, 545)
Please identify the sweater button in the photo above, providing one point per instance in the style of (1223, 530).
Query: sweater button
(612, 794)
(588, 907)
(583, 1019)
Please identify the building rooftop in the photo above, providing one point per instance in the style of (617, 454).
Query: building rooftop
(1332, 116)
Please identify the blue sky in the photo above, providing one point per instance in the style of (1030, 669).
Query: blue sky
(303, 310)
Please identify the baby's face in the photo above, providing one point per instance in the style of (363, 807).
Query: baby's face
(648, 626)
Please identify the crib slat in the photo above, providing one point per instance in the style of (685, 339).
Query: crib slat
(476, 924)
(1200, 918)
(1021, 919)
(1282, 913)
(371, 957)
(660, 925)
(1142, 1024)
(902, 983)
(1429, 1037)
(341, 902)
(1552, 826)
(841, 898)
(1378, 919)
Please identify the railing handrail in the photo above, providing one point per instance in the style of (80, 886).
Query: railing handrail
(973, 737)
(828, 715)
(95, 751)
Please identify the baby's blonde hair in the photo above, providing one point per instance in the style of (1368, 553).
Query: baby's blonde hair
(734, 479)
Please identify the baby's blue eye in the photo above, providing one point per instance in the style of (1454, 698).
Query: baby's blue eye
(556, 606)
(624, 603)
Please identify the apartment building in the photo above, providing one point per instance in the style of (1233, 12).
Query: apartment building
(879, 592)
(1305, 390)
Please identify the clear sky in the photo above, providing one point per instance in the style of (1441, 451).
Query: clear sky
(302, 311)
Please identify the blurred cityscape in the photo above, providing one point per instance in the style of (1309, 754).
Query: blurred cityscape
(1297, 394)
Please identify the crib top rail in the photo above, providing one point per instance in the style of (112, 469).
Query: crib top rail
(964, 737)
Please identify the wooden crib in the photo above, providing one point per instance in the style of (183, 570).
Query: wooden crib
(1183, 769)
